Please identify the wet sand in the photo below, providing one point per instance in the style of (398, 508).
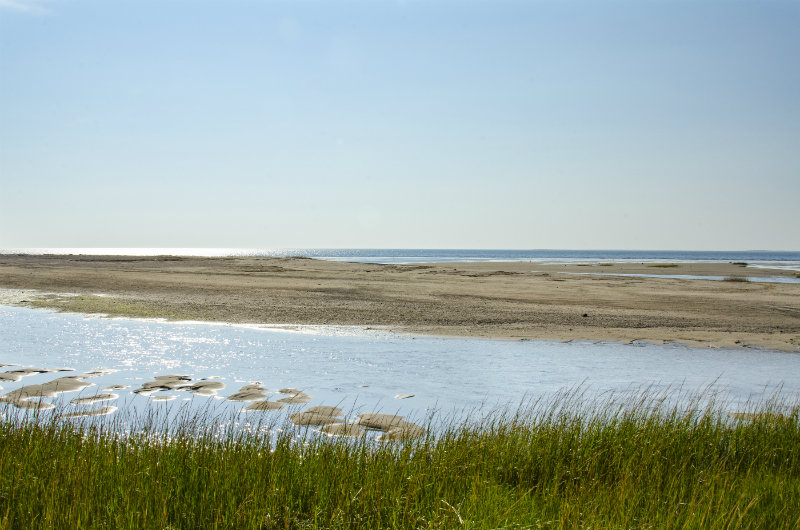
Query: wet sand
(518, 300)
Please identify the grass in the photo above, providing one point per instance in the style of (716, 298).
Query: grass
(664, 265)
(561, 464)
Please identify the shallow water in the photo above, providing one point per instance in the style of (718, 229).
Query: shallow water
(363, 371)
(757, 279)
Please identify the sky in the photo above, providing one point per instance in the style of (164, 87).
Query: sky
(563, 124)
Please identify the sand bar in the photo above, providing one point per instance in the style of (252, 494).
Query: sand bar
(517, 300)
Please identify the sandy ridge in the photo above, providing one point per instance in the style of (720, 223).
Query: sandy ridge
(515, 300)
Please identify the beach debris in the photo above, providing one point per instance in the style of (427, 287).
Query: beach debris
(108, 409)
(345, 430)
(94, 399)
(249, 393)
(263, 406)
(404, 396)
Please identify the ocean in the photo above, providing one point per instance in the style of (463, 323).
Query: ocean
(776, 259)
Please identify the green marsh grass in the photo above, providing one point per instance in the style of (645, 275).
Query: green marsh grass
(565, 462)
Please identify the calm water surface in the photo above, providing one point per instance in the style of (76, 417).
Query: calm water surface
(363, 371)
(773, 259)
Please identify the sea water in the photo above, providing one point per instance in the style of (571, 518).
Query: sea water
(773, 259)
(363, 370)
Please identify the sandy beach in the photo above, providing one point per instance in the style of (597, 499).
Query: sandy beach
(514, 300)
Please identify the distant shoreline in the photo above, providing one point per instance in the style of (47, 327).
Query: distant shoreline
(496, 300)
(405, 256)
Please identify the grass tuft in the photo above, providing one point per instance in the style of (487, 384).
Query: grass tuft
(563, 463)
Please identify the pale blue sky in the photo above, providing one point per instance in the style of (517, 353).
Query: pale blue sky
(636, 124)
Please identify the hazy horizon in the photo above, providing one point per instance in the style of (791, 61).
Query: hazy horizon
(664, 125)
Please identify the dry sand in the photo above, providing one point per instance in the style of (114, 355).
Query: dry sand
(518, 300)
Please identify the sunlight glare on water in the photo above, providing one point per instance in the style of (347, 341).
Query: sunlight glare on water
(363, 371)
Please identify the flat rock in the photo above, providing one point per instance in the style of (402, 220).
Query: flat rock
(312, 418)
(380, 422)
(405, 431)
(96, 412)
(94, 399)
(346, 430)
(323, 409)
(263, 406)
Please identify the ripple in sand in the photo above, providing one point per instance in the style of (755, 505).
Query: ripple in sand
(94, 399)
(263, 406)
(346, 430)
(249, 393)
(108, 409)
(404, 396)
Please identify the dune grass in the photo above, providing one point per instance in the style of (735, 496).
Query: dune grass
(562, 464)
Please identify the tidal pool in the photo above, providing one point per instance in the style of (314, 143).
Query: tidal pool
(359, 372)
